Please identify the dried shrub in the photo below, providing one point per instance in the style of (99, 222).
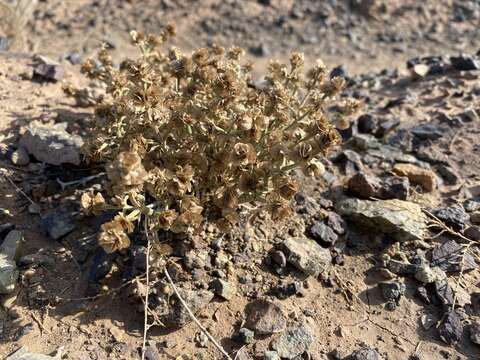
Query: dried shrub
(189, 138)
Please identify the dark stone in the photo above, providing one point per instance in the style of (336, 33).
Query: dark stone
(452, 257)
(338, 71)
(337, 223)
(473, 233)
(58, 224)
(5, 229)
(260, 50)
(448, 175)
(245, 336)
(454, 216)
(139, 257)
(350, 162)
(444, 292)
(74, 58)
(427, 132)
(284, 291)
(366, 124)
(465, 62)
(422, 293)
(392, 291)
(323, 234)
(393, 187)
(472, 205)
(101, 265)
(402, 268)
(475, 333)
(265, 317)
(279, 258)
(386, 126)
(151, 353)
(363, 185)
(451, 328)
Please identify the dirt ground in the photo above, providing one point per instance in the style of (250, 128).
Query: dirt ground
(52, 307)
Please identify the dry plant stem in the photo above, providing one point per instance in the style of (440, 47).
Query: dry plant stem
(147, 285)
(192, 316)
(81, 181)
(20, 191)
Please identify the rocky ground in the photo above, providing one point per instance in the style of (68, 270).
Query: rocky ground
(380, 260)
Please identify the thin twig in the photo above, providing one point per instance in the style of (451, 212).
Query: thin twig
(192, 316)
(20, 191)
(81, 181)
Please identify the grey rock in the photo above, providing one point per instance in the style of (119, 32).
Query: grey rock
(448, 175)
(271, 355)
(12, 244)
(323, 234)
(444, 292)
(8, 274)
(245, 336)
(196, 301)
(454, 216)
(452, 257)
(392, 291)
(306, 255)
(336, 222)
(52, 143)
(366, 123)
(428, 320)
(20, 157)
(427, 274)
(265, 317)
(365, 353)
(402, 220)
(350, 161)
(363, 185)
(393, 187)
(472, 204)
(428, 132)
(451, 328)
(473, 233)
(293, 342)
(402, 268)
(465, 62)
(23, 354)
(223, 289)
(279, 258)
(58, 224)
(475, 334)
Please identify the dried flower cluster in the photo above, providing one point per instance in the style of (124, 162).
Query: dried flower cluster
(190, 137)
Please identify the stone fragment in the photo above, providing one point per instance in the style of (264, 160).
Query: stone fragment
(8, 274)
(366, 124)
(444, 292)
(364, 353)
(473, 232)
(245, 336)
(363, 185)
(271, 355)
(475, 218)
(306, 255)
(223, 289)
(465, 62)
(49, 72)
(417, 175)
(451, 328)
(427, 274)
(402, 220)
(448, 175)
(454, 216)
(475, 333)
(293, 342)
(427, 132)
(323, 234)
(12, 244)
(265, 317)
(52, 143)
(350, 161)
(336, 222)
(452, 257)
(196, 300)
(57, 224)
(428, 321)
(392, 291)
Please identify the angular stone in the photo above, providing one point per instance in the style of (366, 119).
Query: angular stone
(392, 291)
(475, 333)
(393, 187)
(12, 244)
(454, 216)
(336, 222)
(306, 255)
(223, 289)
(8, 274)
(448, 175)
(473, 233)
(52, 143)
(293, 342)
(365, 353)
(417, 175)
(58, 224)
(265, 317)
(196, 301)
(427, 274)
(363, 185)
(271, 355)
(465, 62)
(451, 328)
(402, 220)
(452, 257)
(20, 157)
(323, 234)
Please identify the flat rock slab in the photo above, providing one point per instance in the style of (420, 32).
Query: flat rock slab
(52, 143)
(306, 255)
(8, 274)
(403, 220)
